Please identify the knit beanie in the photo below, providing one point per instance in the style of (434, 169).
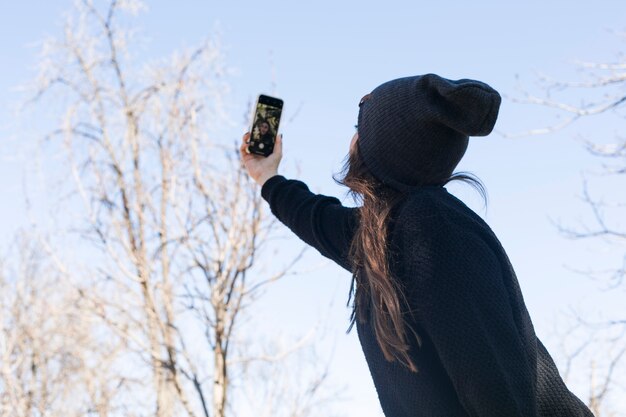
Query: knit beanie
(413, 131)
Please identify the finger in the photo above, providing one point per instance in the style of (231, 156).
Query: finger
(246, 137)
(279, 143)
(243, 149)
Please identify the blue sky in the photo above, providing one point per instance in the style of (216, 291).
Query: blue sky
(321, 58)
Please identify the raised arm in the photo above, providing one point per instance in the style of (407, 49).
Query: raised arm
(319, 220)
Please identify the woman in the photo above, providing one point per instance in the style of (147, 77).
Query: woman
(437, 306)
(262, 132)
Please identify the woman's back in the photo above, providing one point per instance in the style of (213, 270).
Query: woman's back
(479, 351)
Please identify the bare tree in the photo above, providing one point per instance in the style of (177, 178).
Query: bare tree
(591, 354)
(52, 364)
(176, 223)
(600, 344)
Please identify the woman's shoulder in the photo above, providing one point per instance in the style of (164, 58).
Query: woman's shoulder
(436, 212)
(425, 203)
(437, 231)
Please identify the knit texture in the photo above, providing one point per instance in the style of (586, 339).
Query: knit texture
(479, 354)
(414, 130)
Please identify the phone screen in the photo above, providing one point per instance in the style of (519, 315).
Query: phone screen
(265, 125)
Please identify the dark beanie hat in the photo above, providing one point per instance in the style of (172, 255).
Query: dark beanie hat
(413, 131)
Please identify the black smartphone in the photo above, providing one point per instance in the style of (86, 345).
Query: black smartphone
(265, 122)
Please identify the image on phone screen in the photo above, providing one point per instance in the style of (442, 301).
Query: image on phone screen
(265, 126)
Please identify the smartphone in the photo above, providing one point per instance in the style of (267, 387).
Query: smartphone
(265, 122)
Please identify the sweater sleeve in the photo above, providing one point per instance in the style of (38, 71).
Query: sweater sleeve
(458, 295)
(320, 221)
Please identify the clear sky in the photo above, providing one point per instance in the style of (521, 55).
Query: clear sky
(321, 57)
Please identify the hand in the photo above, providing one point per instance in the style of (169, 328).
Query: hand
(259, 167)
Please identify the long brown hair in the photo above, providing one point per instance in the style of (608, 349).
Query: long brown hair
(378, 296)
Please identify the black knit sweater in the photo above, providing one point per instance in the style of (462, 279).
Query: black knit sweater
(479, 354)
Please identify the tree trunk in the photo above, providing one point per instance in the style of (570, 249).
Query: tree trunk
(220, 379)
